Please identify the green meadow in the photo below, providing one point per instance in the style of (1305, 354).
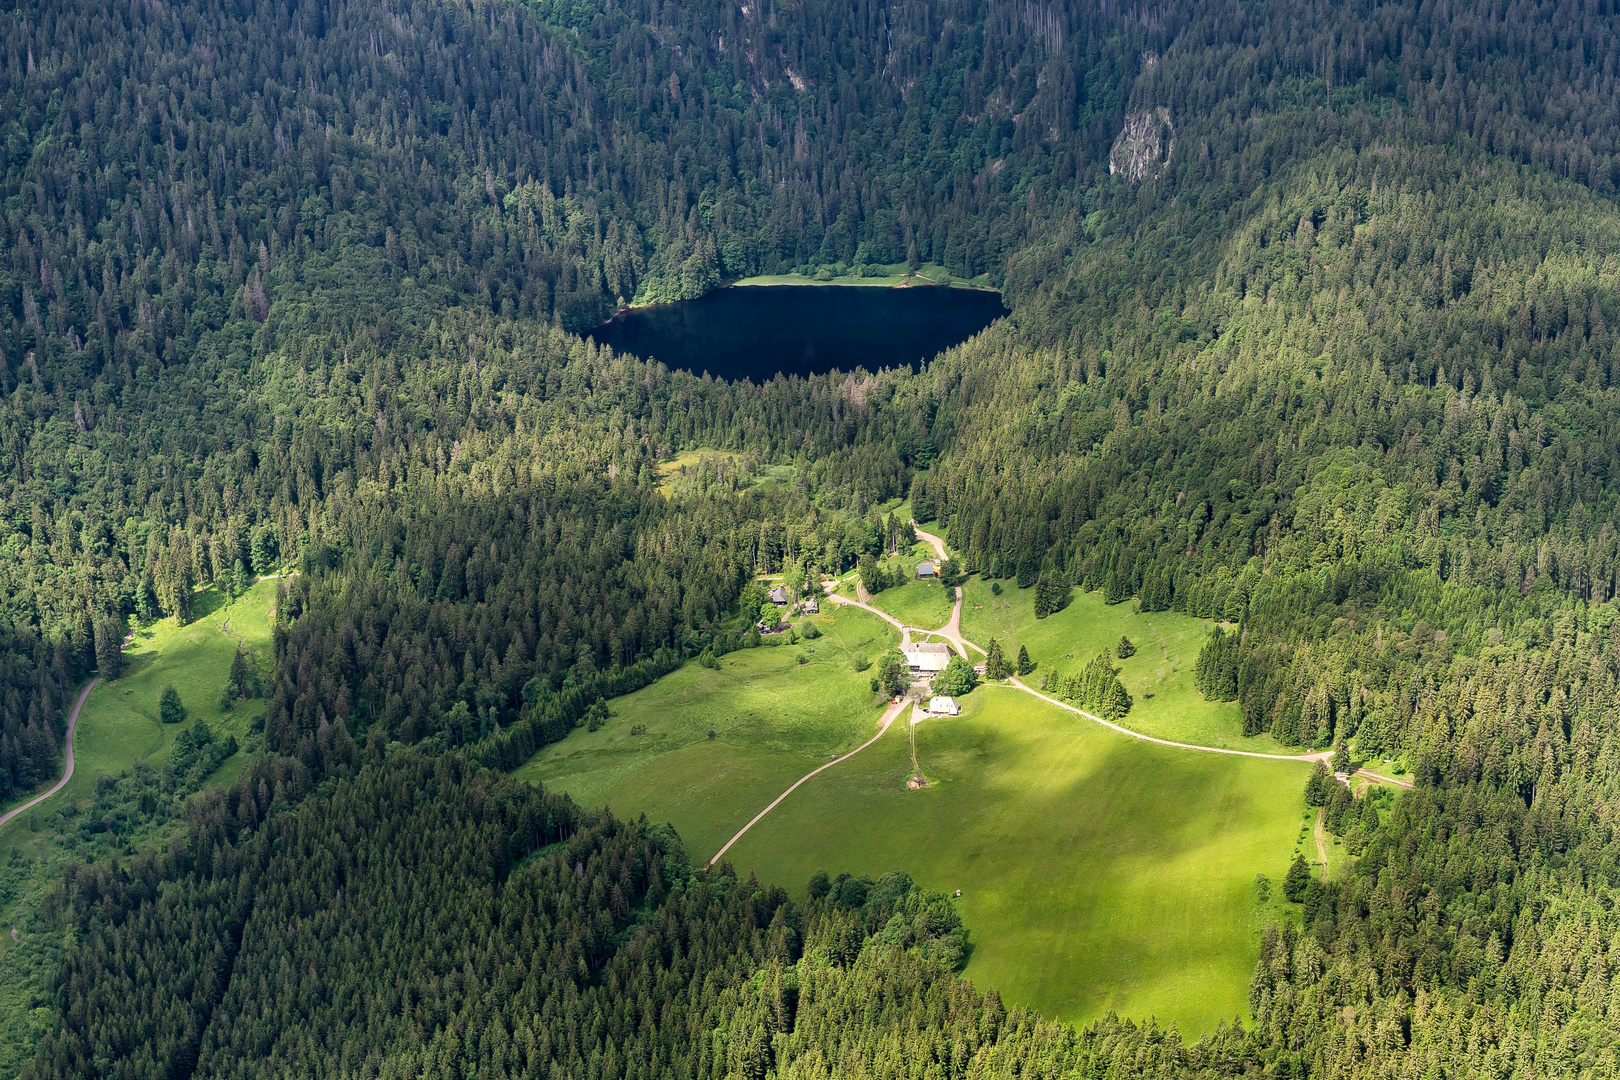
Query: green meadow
(889, 274)
(1159, 676)
(1098, 872)
(773, 719)
(120, 720)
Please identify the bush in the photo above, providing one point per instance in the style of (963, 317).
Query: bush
(809, 631)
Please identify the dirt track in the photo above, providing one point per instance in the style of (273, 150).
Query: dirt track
(67, 774)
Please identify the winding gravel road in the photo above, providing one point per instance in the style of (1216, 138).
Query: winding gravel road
(68, 773)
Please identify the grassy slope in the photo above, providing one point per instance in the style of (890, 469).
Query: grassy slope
(120, 720)
(118, 725)
(774, 720)
(1097, 872)
(916, 603)
(1167, 647)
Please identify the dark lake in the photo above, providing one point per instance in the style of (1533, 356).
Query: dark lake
(755, 331)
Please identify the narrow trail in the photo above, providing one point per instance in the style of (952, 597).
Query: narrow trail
(67, 774)
(888, 717)
(1321, 841)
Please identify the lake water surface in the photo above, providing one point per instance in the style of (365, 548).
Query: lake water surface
(756, 331)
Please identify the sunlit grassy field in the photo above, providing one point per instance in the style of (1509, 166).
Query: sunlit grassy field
(119, 722)
(1159, 676)
(1097, 872)
(774, 719)
(916, 603)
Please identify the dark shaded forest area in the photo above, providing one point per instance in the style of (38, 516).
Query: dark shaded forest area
(1314, 333)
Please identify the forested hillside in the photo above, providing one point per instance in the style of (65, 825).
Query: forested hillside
(1315, 333)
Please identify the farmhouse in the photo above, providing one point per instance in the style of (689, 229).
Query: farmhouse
(810, 607)
(927, 569)
(940, 705)
(779, 596)
(927, 657)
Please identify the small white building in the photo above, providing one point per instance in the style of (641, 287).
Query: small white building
(810, 607)
(927, 657)
(944, 706)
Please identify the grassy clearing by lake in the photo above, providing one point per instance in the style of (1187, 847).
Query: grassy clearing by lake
(1167, 645)
(1097, 872)
(888, 275)
(774, 720)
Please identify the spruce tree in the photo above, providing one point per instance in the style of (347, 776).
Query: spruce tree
(1299, 876)
(171, 710)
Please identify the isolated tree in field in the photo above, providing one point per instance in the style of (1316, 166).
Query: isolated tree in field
(1299, 876)
(957, 679)
(1116, 701)
(995, 664)
(1126, 648)
(171, 710)
(1050, 594)
(244, 680)
(1025, 664)
(874, 579)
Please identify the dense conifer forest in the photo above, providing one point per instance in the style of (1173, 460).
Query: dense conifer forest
(1315, 332)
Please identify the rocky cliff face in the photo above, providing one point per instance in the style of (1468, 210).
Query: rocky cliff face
(1143, 146)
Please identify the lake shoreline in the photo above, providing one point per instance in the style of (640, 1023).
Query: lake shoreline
(758, 328)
